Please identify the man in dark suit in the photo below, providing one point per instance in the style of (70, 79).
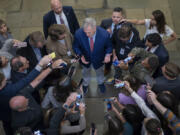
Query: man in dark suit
(111, 25)
(60, 15)
(19, 66)
(154, 45)
(114, 23)
(25, 110)
(35, 49)
(94, 47)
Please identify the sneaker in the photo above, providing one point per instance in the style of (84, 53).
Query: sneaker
(71, 71)
(102, 88)
(110, 81)
(85, 90)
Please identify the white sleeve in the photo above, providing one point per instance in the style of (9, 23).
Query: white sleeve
(168, 31)
(147, 23)
(142, 105)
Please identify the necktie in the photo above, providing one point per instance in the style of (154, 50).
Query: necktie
(61, 19)
(91, 44)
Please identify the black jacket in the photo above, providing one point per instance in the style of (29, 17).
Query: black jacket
(29, 54)
(50, 19)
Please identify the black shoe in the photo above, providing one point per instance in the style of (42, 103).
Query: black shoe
(102, 88)
(71, 71)
(85, 90)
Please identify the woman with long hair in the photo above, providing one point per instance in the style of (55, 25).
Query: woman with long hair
(4, 33)
(157, 24)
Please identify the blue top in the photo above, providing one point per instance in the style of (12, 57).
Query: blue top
(102, 46)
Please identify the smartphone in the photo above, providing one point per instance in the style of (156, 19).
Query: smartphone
(126, 60)
(109, 107)
(116, 63)
(21, 44)
(79, 96)
(109, 100)
(93, 127)
(63, 65)
(119, 85)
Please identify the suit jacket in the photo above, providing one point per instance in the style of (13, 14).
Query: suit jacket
(30, 117)
(16, 76)
(162, 54)
(102, 46)
(29, 54)
(119, 45)
(163, 57)
(106, 23)
(11, 90)
(50, 19)
(61, 49)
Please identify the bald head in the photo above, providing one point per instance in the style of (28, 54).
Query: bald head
(56, 6)
(18, 103)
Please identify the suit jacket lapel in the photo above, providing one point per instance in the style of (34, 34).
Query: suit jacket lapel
(33, 55)
(87, 44)
(96, 39)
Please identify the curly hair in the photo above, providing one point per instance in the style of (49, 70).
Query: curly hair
(160, 21)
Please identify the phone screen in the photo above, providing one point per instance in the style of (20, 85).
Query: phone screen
(109, 107)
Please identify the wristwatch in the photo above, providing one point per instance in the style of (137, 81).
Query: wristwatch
(49, 65)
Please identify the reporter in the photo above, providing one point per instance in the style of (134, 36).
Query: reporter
(173, 120)
(25, 110)
(60, 114)
(151, 117)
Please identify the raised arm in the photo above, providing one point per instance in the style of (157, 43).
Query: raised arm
(45, 73)
(65, 129)
(140, 102)
(136, 21)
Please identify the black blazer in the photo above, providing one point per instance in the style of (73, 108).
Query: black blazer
(163, 57)
(29, 54)
(106, 23)
(50, 19)
(162, 54)
(127, 47)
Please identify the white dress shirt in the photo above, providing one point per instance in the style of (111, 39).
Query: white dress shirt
(57, 16)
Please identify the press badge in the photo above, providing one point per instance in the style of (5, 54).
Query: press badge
(122, 51)
(69, 53)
